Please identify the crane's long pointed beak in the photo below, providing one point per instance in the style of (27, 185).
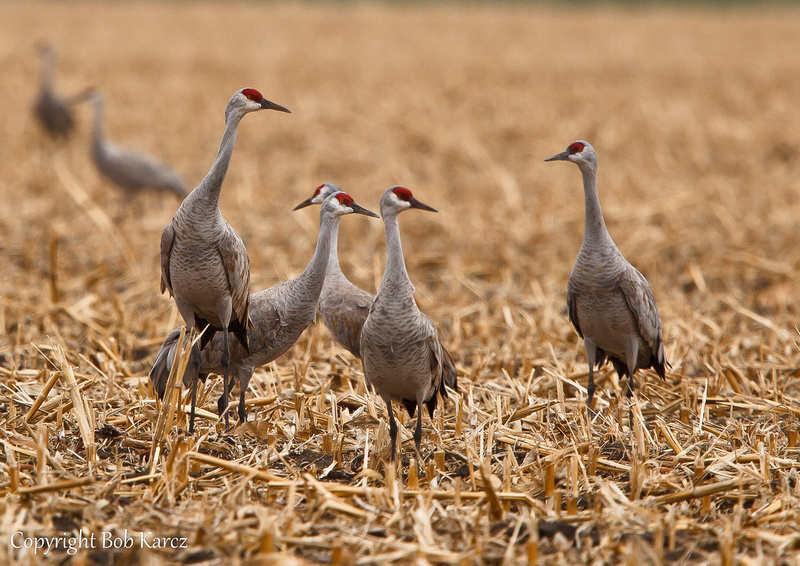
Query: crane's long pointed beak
(563, 156)
(267, 105)
(420, 205)
(361, 210)
(305, 203)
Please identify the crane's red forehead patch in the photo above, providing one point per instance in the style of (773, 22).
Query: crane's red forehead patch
(403, 193)
(345, 199)
(318, 190)
(252, 94)
(575, 147)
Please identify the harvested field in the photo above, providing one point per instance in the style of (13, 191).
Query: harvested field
(695, 117)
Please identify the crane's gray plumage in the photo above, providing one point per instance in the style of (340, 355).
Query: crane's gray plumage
(53, 112)
(342, 306)
(609, 302)
(204, 263)
(129, 170)
(402, 355)
(279, 314)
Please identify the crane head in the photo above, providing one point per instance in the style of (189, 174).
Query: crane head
(398, 199)
(249, 100)
(340, 203)
(320, 194)
(578, 152)
(44, 47)
(91, 93)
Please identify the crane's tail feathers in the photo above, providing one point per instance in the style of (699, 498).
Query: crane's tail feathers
(449, 371)
(411, 405)
(159, 374)
(660, 368)
(207, 331)
(240, 331)
(659, 360)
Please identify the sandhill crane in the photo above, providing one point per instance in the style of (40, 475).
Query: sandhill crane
(401, 353)
(609, 302)
(204, 263)
(279, 314)
(53, 112)
(342, 305)
(126, 169)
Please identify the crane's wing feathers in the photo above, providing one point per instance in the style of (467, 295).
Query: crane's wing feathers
(267, 316)
(167, 240)
(443, 369)
(236, 263)
(346, 329)
(237, 269)
(642, 305)
(572, 306)
(55, 114)
(345, 316)
(159, 374)
(261, 338)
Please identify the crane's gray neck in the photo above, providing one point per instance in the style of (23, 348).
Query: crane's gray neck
(99, 118)
(313, 275)
(47, 70)
(209, 188)
(595, 230)
(333, 255)
(395, 274)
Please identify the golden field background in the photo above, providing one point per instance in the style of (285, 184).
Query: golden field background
(695, 117)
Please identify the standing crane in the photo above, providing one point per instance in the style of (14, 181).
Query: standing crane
(402, 355)
(279, 314)
(53, 112)
(204, 263)
(342, 305)
(610, 303)
(129, 170)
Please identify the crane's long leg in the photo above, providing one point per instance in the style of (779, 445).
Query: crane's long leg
(242, 410)
(591, 353)
(418, 437)
(226, 386)
(187, 313)
(631, 355)
(392, 427)
(418, 431)
(195, 361)
(245, 375)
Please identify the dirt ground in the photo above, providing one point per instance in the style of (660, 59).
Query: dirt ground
(694, 114)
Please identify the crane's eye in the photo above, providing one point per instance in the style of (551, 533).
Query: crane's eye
(345, 199)
(403, 193)
(252, 94)
(575, 147)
